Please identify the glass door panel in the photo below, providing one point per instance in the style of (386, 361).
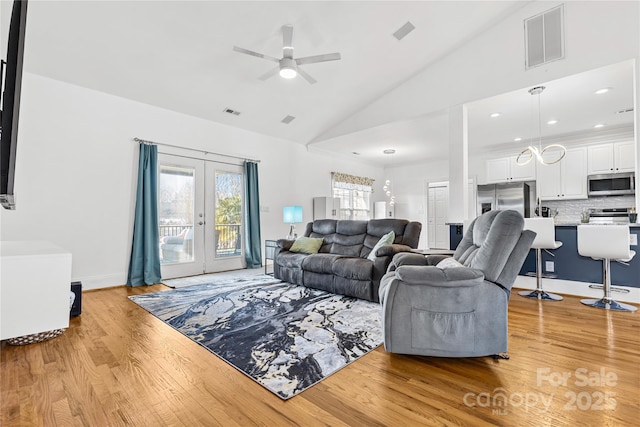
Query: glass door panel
(175, 214)
(180, 216)
(224, 248)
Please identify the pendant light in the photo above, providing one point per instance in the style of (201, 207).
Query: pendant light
(388, 184)
(538, 152)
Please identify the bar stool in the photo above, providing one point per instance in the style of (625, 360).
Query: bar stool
(545, 239)
(606, 242)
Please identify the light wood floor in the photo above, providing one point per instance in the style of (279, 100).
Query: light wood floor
(118, 365)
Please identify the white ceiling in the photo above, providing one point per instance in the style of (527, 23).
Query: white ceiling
(178, 55)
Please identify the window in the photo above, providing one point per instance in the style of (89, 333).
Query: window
(354, 193)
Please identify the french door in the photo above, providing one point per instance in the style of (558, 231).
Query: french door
(200, 210)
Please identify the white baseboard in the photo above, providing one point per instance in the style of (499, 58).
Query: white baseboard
(102, 281)
(569, 287)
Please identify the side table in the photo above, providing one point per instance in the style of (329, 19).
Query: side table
(269, 252)
(433, 251)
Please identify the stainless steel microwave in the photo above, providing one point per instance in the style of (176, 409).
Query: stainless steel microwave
(614, 184)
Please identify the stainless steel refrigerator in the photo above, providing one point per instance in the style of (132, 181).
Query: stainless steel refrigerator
(514, 196)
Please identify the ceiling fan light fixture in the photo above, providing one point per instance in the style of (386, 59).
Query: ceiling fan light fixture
(288, 68)
(288, 73)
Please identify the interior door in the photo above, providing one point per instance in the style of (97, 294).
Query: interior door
(224, 216)
(181, 215)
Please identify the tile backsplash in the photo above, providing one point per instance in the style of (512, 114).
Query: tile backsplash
(570, 210)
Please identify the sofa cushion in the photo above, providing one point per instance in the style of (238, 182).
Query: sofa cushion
(319, 263)
(306, 245)
(353, 268)
(347, 245)
(290, 259)
(387, 239)
(380, 227)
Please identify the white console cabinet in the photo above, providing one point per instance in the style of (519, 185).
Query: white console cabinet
(35, 282)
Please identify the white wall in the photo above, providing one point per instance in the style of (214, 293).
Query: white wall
(77, 166)
(409, 188)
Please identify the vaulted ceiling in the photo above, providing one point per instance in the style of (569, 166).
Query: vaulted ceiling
(179, 55)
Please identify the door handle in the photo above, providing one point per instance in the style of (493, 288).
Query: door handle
(201, 223)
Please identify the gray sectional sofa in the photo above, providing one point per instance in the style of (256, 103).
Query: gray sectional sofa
(341, 265)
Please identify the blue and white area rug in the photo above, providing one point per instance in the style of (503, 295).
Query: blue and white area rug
(285, 337)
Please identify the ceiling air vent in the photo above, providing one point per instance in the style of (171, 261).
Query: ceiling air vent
(627, 110)
(403, 31)
(544, 37)
(287, 120)
(230, 111)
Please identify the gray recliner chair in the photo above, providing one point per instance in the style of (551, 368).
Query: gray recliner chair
(456, 307)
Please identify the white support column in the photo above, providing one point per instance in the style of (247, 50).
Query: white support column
(636, 112)
(458, 164)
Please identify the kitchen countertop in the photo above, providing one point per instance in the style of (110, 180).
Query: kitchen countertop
(575, 224)
(562, 224)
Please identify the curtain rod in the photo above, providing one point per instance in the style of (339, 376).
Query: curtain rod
(144, 141)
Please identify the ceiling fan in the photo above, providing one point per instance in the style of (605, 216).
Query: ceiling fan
(288, 66)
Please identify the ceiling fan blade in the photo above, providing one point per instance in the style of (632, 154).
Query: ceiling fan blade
(306, 76)
(256, 54)
(287, 41)
(318, 58)
(269, 73)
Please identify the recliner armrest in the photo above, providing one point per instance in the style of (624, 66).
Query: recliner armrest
(434, 276)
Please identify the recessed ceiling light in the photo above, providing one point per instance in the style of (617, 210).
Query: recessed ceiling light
(599, 125)
(552, 122)
(389, 151)
(603, 90)
(517, 139)
(495, 115)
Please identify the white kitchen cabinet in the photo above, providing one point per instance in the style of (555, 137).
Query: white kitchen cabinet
(326, 208)
(624, 156)
(611, 158)
(505, 169)
(566, 179)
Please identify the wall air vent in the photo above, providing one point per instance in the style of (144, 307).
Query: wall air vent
(544, 37)
(287, 120)
(403, 31)
(627, 110)
(230, 111)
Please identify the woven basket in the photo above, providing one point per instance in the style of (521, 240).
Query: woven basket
(34, 338)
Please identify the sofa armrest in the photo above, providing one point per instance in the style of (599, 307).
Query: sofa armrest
(390, 250)
(434, 276)
(285, 244)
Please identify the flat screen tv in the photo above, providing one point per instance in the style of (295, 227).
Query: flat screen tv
(11, 85)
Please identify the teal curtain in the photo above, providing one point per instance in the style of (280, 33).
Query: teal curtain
(144, 267)
(252, 242)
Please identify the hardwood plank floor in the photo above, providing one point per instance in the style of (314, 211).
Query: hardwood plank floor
(117, 365)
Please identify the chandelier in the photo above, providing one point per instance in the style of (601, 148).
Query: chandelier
(388, 186)
(538, 152)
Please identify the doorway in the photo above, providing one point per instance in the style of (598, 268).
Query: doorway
(200, 213)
